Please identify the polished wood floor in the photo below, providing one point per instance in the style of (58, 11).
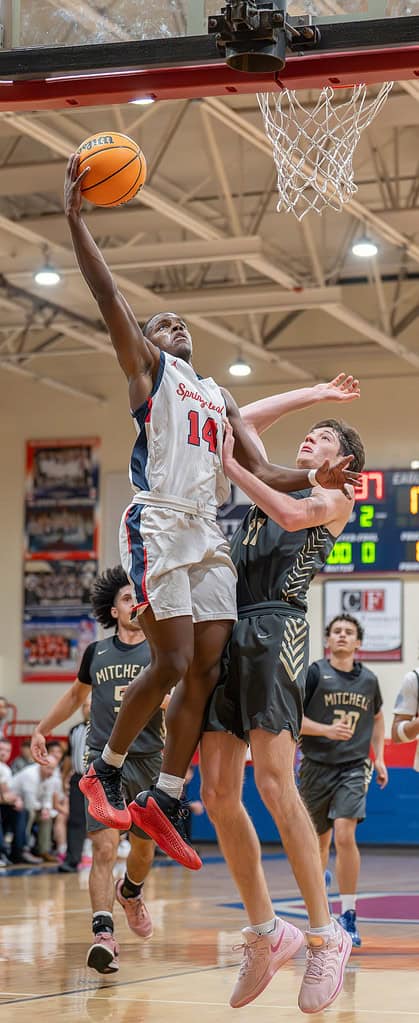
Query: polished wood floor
(186, 971)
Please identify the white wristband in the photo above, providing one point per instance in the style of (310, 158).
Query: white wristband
(401, 732)
(312, 478)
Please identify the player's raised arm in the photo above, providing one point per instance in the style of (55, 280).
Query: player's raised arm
(260, 415)
(138, 358)
(281, 478)
(324, 507)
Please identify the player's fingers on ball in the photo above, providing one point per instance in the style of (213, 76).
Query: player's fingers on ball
(81, 176)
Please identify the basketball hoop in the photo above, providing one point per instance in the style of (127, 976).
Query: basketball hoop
(313, 146)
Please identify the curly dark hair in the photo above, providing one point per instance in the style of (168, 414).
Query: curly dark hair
(104, 592)
(346, 618)
(349, 440)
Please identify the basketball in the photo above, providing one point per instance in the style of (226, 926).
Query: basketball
(117, 168)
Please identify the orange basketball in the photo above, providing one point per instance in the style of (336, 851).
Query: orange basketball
(117, 168)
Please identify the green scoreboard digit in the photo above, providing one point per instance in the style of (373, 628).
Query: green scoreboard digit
(382, 534)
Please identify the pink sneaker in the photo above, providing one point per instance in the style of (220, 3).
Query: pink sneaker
(263, 955)
(103, 955)
(136, 912)
(323, 977)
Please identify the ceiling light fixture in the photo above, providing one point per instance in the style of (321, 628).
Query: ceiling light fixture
(240, 368)
(364, 248)
(47, 275)
(142, 101)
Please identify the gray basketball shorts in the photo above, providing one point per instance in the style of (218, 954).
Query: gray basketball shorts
(263, 674)
(332, 791)
(138, 773)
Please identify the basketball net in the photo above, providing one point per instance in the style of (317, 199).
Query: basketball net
(313, 146)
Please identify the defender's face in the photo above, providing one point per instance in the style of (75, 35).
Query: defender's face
(343, 638)
(319, 444)
(5, 751)
(170, 333)
(124, 605)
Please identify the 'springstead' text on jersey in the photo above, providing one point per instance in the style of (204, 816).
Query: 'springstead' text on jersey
(178, 451)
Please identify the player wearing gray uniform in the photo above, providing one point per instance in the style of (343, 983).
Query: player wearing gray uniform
(107, 669)
(342, 718)
(282, 543)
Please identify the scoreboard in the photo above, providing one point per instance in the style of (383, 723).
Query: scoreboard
(382, 534)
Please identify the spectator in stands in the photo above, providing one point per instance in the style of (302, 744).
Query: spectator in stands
(4, 709)
(76, 825)
(24, 758)
(40, 789)
(12, 815)
(405, 726)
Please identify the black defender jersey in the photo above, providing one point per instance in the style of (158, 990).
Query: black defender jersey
(331, 695)
(274, 564)
(109, 666)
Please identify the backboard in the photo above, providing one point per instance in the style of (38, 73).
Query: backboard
(80, 52)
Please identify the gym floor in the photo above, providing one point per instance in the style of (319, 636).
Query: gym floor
(188, 967)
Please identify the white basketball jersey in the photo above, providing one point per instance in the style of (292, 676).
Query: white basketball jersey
(177, 456)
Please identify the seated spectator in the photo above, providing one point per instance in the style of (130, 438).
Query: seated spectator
(40, 789)
(12, 815)
(23, 759)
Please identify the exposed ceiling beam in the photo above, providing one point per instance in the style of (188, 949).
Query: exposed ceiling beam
(256, 137)
(363, 327)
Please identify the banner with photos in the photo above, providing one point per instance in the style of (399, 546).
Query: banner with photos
(60, 556)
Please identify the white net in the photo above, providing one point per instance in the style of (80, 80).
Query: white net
(313, 145)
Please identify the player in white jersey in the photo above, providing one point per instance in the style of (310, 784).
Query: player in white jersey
(172, 548)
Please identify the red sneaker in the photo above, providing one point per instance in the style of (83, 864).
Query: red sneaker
(103, 789)
(163, 819)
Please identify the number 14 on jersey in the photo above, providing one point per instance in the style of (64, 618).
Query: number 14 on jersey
(208, 431)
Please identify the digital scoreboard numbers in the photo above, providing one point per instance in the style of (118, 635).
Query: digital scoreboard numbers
(382, 534)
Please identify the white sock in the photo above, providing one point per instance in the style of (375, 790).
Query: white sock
(171, 785)
(348, 902)
(267, 928)
(328, 931)
(62, 849)
(102, 912)
(113, 759)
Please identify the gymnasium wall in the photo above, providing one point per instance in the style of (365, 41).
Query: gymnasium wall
(31, 410)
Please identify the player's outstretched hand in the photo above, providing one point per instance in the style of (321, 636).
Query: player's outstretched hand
(341, 388)
(72, 186)
(39, 748)
(381, 773)
(338, 476)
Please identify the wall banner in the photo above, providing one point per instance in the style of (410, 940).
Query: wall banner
(377, 605)
(60, 556)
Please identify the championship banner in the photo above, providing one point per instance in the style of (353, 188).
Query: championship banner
(378, 607)
(60, 556)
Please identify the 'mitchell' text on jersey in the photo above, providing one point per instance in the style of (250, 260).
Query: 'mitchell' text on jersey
(347, 700)
(178, 451)
(117, 671)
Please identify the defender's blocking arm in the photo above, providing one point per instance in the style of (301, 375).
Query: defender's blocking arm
(260, 415)
(278, 477)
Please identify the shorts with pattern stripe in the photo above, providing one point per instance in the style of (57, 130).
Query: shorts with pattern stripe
(178, 563)
(138, 773)
(333, 791)
(263, 673)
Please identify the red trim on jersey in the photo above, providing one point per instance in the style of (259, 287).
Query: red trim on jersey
(150, 406)
(143, 583)
(126, 528)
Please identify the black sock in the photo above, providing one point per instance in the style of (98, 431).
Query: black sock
(102, 922)
(130, 890)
